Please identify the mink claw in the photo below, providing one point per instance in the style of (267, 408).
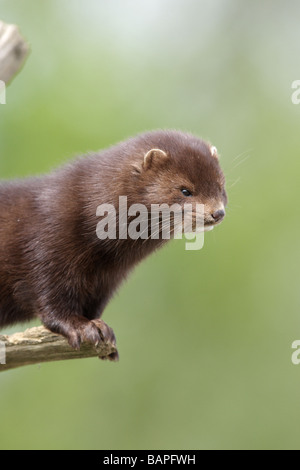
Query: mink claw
(106, 333)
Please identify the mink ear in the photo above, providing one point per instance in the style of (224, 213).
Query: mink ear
(214, 152)
(153, 157)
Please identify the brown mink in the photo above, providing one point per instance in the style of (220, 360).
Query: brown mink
(53, 265)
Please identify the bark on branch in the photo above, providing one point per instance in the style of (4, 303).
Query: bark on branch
(38, 345)
(13, 51)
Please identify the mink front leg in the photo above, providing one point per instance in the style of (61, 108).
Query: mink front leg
(77, 329)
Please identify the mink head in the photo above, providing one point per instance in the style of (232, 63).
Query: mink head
(177, 168)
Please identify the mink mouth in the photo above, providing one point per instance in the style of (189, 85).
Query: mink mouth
(208, 224)
(211, 225)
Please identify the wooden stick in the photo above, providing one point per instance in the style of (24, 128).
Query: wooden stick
(13, 51)
(37, 345)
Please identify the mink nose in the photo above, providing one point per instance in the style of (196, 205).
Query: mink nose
(218, 215)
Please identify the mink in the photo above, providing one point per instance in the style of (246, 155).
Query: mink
(52, 263)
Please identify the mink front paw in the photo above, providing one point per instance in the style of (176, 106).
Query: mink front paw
(83, 331)
(107, 335)
(106, 332)
(78, 329)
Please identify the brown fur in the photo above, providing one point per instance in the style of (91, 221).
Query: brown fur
(52, 265)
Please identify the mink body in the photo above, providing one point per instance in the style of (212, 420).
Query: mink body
(52, 264)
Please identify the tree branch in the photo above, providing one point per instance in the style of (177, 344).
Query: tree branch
(38, 345)
(13, 51)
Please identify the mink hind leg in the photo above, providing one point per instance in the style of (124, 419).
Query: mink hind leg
(11, 313)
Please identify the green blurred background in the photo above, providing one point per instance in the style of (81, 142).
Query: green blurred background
(204, 337)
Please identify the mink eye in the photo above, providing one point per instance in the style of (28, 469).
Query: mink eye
(186, 192)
